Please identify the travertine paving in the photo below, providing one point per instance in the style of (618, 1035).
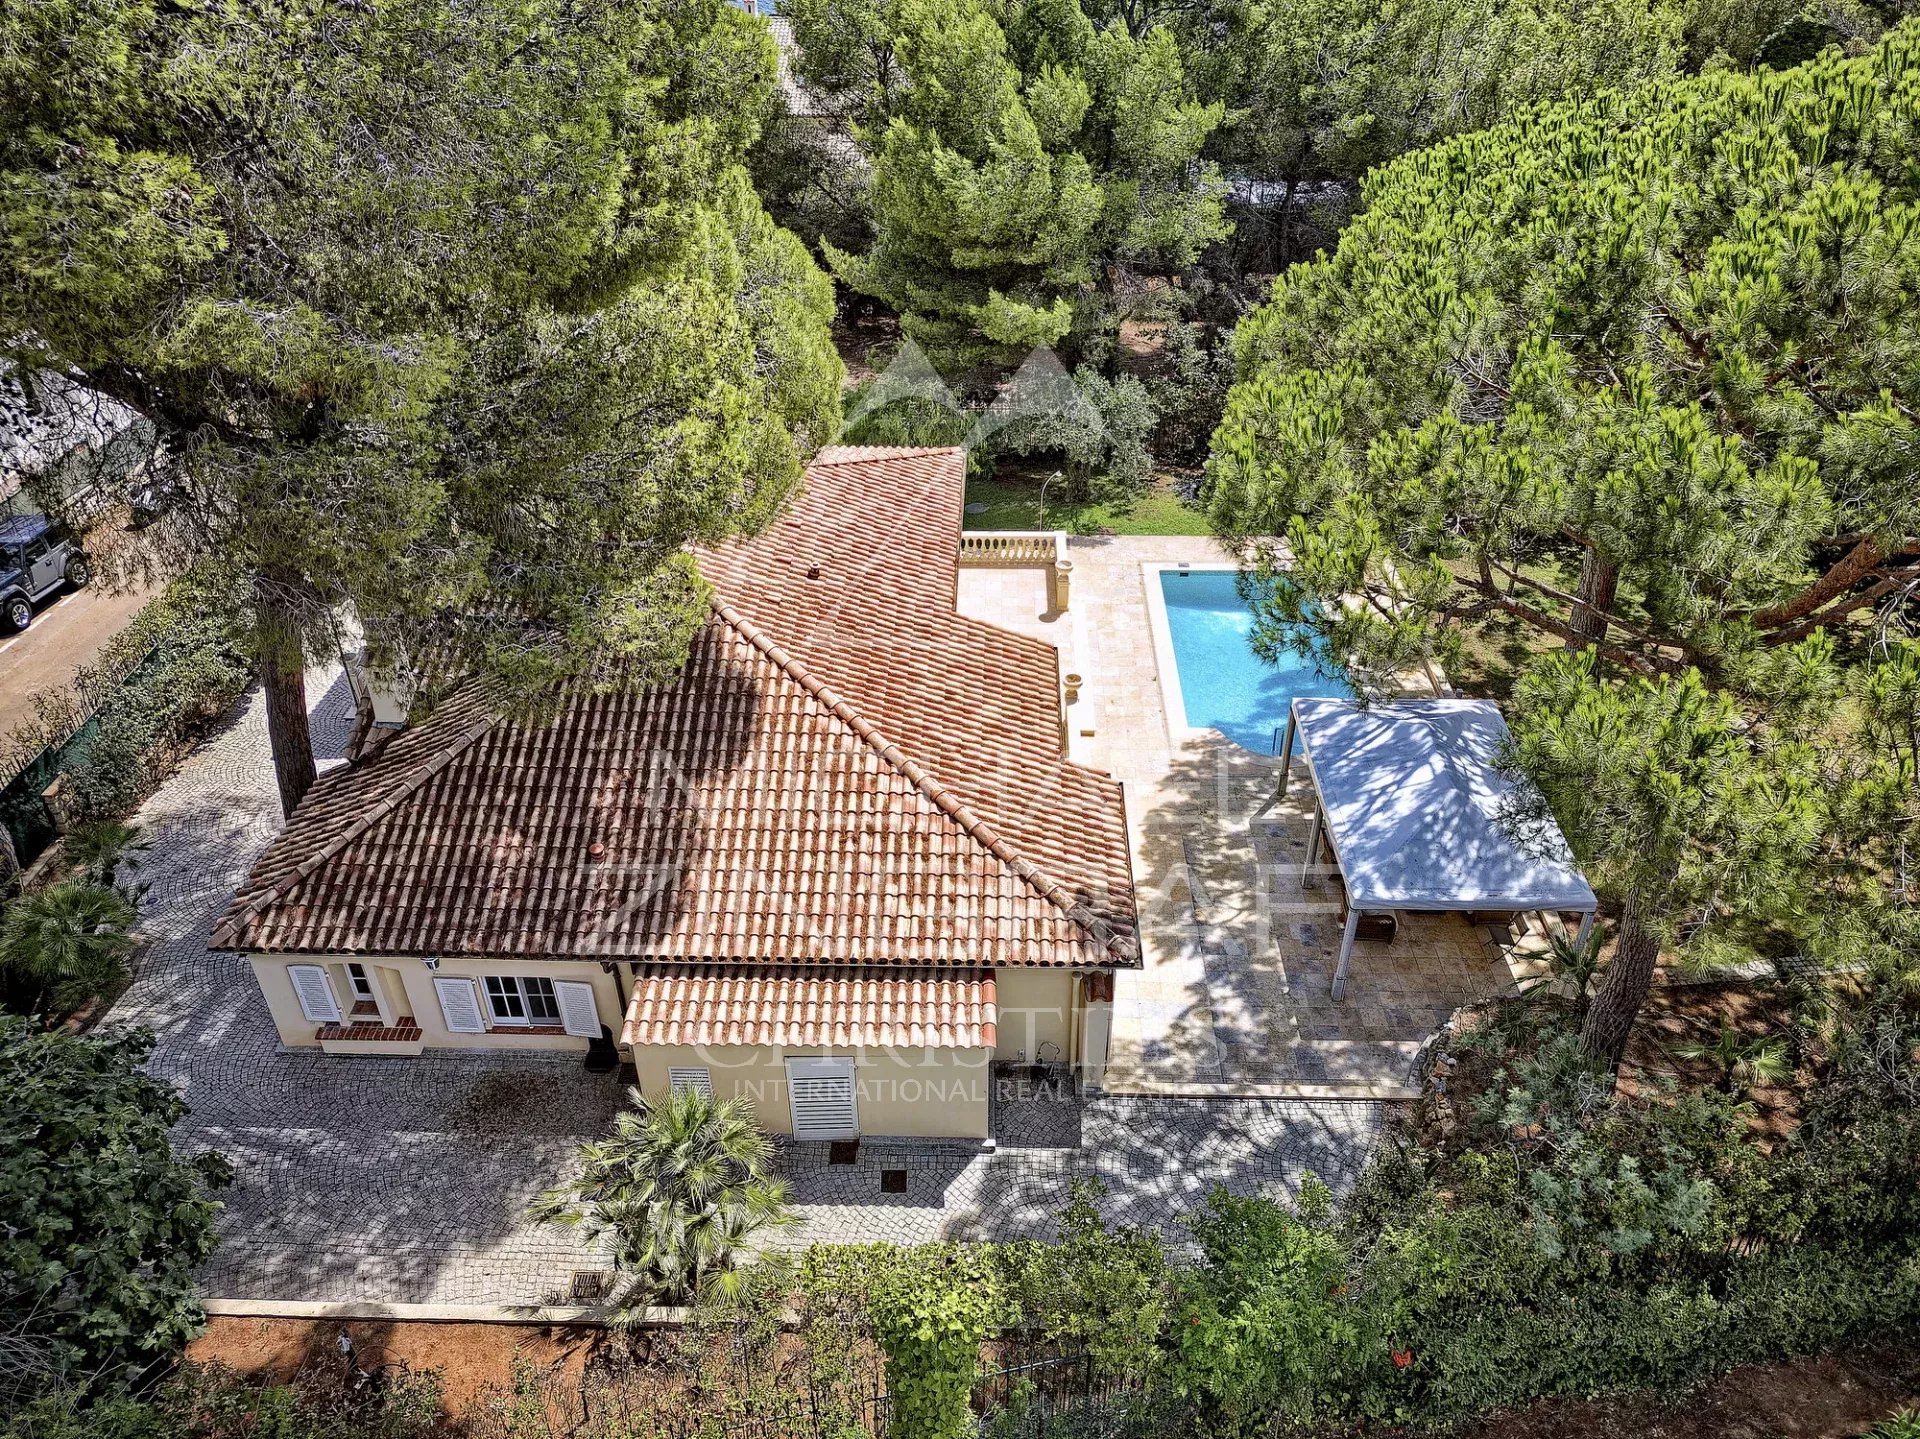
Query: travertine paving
(1239, 947)
(407, 1180)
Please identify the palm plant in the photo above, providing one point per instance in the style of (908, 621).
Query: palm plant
(70, 939)
(679, 1186)
(99, 847)
(1743, 1063)
(1903, 1425)
(1575, 961)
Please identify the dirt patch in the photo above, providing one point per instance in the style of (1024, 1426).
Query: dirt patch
(475, 1362)
(866, 339)
(1831, 1398)
(1680, 1015)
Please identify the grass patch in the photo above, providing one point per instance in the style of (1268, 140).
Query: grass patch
(1014, 504)
(1495, 649)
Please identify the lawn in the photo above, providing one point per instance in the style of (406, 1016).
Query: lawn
(1014, 504)
(1495, 649)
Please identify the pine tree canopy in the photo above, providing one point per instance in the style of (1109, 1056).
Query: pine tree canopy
(1020, 154)
(1669, 343)
(1639, 373)
(451, 311)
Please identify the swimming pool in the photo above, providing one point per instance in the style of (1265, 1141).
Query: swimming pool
(1216, 681)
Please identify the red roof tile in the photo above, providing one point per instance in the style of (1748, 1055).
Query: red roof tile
(847, 771)
(717, 1004)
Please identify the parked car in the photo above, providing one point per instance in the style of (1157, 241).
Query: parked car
(37, 557)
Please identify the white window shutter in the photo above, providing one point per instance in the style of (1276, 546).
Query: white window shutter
(578, 1013)
(460, 1005)
(315, 992)
(696, 1077)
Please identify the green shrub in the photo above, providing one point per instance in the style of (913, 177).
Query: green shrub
(62, 945)
(931, 1318)
(210, 1402)
(105, 1223)
(197, 669)
(1097, 427)
(1268, 1324)
(1904, 1425)
(1107, 1292)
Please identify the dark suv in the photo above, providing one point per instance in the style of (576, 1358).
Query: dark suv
(37, 556)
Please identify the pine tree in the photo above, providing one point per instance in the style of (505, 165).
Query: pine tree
(454, 316)
(1021, 157)
(1639, 373)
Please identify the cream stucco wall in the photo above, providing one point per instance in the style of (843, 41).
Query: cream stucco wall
(930, 1092)
(1035, 1008)
(940, 1093)
(405, 987)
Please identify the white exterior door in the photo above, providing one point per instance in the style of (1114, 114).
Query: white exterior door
(821, 1093)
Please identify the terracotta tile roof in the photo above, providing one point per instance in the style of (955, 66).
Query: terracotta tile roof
(847, 771)
(716, 1004)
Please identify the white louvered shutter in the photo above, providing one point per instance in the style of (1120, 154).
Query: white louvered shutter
(315, 992)
(578, 1013)
(696, 1077)
(460, 1005)
(821, 1093)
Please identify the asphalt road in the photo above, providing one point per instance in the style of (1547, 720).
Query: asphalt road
(68, 630)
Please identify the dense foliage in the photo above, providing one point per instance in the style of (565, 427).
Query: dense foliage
(1652, 395)
(1023, 157)
(64, 944)
(181, 663)
(194, 665)
(462, 315)
(105, 1223)
(1525, 1232)
(213, 1403)
(930, 1321)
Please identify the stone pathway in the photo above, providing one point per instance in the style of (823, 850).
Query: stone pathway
(1155, 1160)
(408, 1180)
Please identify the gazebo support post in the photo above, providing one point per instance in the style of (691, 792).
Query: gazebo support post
(1346, 950)
(1586, 930)
(1313, 847)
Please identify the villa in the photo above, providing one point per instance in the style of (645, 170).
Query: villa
(840, 865)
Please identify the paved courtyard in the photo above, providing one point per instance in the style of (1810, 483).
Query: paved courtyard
(407, 1180)
(1233, 995)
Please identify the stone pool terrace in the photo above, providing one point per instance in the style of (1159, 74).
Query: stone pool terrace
(1233, 997)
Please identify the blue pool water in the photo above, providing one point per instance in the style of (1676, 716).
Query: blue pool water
(1225, 685)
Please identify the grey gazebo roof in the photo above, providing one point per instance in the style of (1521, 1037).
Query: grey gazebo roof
(1412, 796)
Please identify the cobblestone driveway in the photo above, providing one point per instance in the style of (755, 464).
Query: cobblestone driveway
(408, 1179)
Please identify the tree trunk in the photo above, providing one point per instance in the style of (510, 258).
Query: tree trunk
(1599, 579)
(283, 675)
(1610, 1018)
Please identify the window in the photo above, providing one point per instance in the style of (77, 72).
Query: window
(516, 1002)
(505, 1001)
(542, 1007)
(362, 982)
